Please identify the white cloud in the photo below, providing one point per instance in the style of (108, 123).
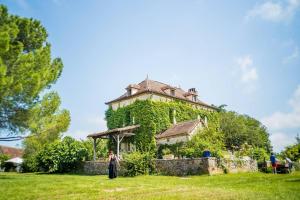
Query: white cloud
(295, 54)
(97, 121)
(281, 120)
(295, 100)
(275, 11)
(279, 140)
(90, 124)
(247, 71)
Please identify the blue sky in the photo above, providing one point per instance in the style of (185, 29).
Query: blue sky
(245, 54)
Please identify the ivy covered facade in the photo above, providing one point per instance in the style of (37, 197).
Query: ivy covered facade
(154, 106)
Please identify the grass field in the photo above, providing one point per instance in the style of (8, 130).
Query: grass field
(230, 186)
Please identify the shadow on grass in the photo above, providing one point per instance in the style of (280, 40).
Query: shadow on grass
(293, 180)
(65, 174)
(6, 177)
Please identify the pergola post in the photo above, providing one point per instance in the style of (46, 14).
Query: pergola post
(94, 148)
(118, 140)
(115, 133)
(118, 146)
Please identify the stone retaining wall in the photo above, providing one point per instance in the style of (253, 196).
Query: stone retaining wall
(100, 167)
(182, 167)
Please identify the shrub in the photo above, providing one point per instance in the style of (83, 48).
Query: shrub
(292, 152)
(137, 163)
(257, 153)
(260, 154)
(30, 163)
(62, 156)
(206, 139)
(3, 158)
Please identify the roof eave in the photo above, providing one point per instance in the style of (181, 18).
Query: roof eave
(136, 94)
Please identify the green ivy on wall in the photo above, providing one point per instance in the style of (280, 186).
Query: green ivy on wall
(153, 118)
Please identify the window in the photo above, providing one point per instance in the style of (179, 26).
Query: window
(194, 98)
(129, 92)
(127, 118)
(172, 92)
(171, 115)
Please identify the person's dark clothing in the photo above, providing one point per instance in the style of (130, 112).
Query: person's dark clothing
(112, 168)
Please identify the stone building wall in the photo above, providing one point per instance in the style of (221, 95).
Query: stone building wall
(154, 97)
(182, 167)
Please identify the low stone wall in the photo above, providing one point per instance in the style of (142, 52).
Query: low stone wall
(182, 167)
(101, 168)
(239, 165)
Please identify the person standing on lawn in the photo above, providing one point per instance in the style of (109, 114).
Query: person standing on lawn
(112, 167)
(273, 162)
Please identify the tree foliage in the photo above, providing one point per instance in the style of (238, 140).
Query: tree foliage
(138, 163)
(62, 156)
(101, 148)
(241, 129)
(293, 151)
(3, 158)
(47, 123)
(257, 153)
(205, 139)
(26, 69)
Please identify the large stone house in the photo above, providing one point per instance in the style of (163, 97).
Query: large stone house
(176, 131)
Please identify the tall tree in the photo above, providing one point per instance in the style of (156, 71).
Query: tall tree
(241, 129)
(26, 69)
(47, 123)
(292, 151)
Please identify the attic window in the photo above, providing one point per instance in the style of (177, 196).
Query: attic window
(172, 92)
(194, 98)
(129, 91)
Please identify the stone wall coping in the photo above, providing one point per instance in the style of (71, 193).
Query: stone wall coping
(180, 159)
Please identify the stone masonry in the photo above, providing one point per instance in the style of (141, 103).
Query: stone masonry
(182, 167)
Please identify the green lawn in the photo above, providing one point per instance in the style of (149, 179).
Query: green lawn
(230, 186)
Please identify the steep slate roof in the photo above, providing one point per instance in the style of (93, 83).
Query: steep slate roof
(159, 88)
(183, 128)
(11, 151)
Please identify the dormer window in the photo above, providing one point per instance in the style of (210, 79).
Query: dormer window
(132, 89)
(194, 98)
(172, 92)
(129, 91)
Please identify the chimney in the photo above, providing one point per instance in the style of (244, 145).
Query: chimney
(193, 91)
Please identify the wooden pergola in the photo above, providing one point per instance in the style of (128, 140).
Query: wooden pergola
(118, 134)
